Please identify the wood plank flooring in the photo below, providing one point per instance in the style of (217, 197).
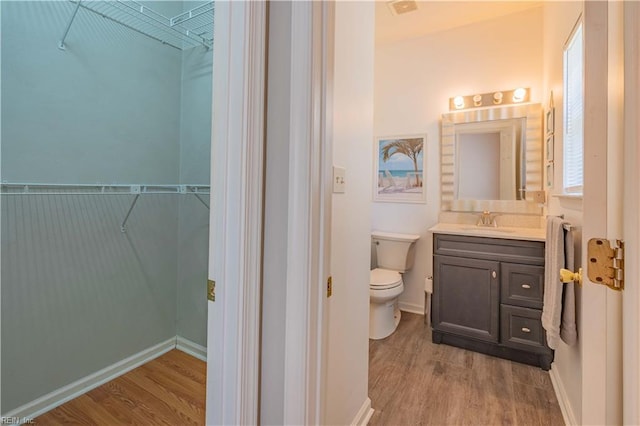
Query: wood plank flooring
(415, 382)
(170, 390)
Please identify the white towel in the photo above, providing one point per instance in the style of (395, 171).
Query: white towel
(554, 261)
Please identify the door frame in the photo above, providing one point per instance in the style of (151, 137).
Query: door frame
(235, 240)
(631, 300)
(236, 244)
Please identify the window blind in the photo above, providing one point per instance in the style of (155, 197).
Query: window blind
(574, 113)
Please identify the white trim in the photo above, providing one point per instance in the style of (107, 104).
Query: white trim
(411, 307)
(235, 243)
(364, 414)
(73, 390)
(631, 228)
(563, 399)
(191, 348)
(307, 247)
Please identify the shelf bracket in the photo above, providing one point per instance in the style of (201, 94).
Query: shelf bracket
(61, 45)
(201, 200)
(123, 228)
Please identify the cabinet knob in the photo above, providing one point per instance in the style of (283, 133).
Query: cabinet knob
(527, 286)
(493, 274)
(526, 330)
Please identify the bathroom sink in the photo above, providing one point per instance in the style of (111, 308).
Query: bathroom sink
(488, 230)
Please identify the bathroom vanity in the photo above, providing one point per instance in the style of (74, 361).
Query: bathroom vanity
(488, 291)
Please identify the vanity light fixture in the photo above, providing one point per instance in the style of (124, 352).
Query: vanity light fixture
(498, 98)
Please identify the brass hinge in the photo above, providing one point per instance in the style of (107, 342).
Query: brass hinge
(606, 263)
(211, 290)
(329, 287)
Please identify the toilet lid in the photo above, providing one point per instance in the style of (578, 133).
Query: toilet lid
(384, 278)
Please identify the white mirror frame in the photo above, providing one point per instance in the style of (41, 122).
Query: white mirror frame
(533, 157)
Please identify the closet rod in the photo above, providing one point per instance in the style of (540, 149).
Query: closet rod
(15, 188)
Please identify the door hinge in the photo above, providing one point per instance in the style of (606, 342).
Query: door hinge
(329, 286)
(606, 263)
(211, 290)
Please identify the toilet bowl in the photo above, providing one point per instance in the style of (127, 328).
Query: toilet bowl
(384, 314)
(395, 254)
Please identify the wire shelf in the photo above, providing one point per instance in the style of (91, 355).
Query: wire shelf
(186, 30)
(99, 189)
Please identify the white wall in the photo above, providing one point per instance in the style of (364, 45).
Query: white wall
(414, 80)
(348, 343)
(559, 19)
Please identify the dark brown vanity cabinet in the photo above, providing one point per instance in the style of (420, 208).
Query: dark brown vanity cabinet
(487, 296)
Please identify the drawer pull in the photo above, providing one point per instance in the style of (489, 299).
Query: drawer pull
(526, 330)
(527, 286)
(493, 274)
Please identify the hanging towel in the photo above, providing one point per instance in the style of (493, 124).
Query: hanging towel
(568, 330)
(554, 261)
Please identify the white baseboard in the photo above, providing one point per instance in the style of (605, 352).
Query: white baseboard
(364, 415)
(563, 399)
(73, 390)
(411, 307)
(192, 348)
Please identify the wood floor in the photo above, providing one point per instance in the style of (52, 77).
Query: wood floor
(415, 382)
(411, 382)
(170, 390)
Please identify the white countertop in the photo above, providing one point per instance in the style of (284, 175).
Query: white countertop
(511, 233)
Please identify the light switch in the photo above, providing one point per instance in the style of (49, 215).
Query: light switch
(338, 180)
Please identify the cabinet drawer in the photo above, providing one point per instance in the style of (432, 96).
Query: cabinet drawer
(521, 328)
(516, 251)
(522, 285)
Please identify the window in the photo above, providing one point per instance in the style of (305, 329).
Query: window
(573, 140)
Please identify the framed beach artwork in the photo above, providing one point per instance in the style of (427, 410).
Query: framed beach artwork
(399, 169)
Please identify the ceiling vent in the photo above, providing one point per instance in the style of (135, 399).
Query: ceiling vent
(398, 7)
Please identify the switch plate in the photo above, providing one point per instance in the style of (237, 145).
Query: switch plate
(339, 180)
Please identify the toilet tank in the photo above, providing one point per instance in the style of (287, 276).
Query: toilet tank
(395, 251)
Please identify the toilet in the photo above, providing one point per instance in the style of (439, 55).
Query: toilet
(395, 254)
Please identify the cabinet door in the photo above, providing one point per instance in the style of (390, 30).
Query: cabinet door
(466, 297)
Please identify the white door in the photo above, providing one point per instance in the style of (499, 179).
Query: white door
(609, 319)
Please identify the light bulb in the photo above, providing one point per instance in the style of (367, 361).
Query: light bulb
(519, 94)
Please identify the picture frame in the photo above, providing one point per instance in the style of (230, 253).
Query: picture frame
(550, 120)
(549, 147)
(399, 167)
(549, 174)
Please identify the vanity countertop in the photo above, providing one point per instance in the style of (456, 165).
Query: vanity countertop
(511, 233)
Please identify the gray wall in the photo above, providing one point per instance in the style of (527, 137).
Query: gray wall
(195, 160)
(77, 294)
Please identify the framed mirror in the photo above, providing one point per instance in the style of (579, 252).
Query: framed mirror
(490, 158)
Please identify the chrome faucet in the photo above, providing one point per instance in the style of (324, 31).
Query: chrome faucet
(487, 219)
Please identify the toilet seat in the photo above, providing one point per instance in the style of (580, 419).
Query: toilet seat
(382, 279)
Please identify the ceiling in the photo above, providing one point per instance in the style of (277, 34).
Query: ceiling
(434, 16)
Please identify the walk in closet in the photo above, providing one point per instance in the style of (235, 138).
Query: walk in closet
(105, 166)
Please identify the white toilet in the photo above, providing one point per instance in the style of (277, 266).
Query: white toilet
(395, 254)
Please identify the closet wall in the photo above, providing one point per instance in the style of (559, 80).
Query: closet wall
(78, 295)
